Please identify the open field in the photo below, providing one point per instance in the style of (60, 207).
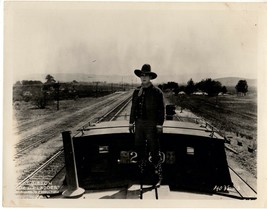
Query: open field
(235, 116)
(230, 113)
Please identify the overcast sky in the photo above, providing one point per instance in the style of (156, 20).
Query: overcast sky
(181, 40)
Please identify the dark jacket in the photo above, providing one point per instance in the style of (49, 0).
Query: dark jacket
(149, 106)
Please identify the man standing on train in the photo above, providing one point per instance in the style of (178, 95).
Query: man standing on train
(146, 120)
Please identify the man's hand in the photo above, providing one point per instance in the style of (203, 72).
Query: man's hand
(131, 128)
(159, 128)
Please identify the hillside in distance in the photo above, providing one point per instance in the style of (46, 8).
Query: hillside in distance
(82, 77)
(232, 81)
(131, 78)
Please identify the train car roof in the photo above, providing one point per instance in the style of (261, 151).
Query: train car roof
(169, 126)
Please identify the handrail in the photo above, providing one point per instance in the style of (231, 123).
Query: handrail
(210, 128)
(126, 126)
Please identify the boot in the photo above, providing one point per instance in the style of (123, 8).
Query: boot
(142, 164)
(158, 174)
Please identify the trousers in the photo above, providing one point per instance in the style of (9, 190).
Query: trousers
(147, 141)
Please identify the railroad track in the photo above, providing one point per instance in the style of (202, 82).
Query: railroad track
(113, 113)
(40, 181)
(34, 140)
(24, 126)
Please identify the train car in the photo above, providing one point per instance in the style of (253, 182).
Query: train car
(193, 159)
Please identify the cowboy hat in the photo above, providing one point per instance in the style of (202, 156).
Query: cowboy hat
(146, 69)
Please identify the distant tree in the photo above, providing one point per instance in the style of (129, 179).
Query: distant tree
(40, 101)
(31, 82)
(74, 81)
(27, 95)
(242, 87)
(18, 83)
(50, 79)
(172, 85)
(48, 92)
(182, 88)
(160, 86)
(169, 86)
(224, 90)
(176, 90)
(190, 88)
(163, 86)
(211, 87)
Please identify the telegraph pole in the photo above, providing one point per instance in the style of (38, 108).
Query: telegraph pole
(57, 94)
(96, 89)
(122, 83)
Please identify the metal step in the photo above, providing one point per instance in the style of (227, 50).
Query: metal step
(133, 192)
(164, 192)
(149, 192)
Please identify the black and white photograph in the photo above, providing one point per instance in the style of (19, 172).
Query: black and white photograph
(134, 104)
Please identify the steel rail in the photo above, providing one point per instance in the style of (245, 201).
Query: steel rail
(41, 167)
(242, 179)
(112, 110)
(241, 196)
(121, 109)
(100, 119)
(44, 188)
